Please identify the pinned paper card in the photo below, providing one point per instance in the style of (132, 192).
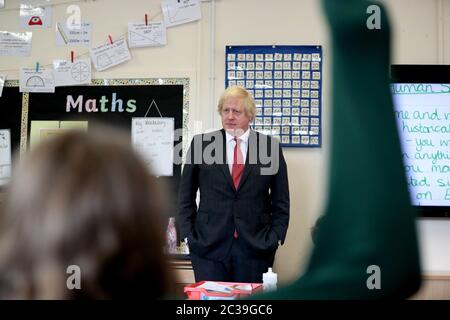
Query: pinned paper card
(153, 139)
(43, 130)
(15, 43)
(68, 73)
(32, 80)
(178, 12)
(5, 156)
(73, 35)
(36, 2)
(109, 55)
(35, 16)
(2, 83)
(146, 35)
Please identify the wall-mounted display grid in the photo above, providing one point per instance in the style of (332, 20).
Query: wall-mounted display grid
(286, 82)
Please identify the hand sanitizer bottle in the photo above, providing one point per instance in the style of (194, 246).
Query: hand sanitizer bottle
(269, 281)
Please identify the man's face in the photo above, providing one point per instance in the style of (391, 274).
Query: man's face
(234, 119)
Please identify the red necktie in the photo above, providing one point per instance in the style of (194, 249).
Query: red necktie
(238, 168)
(238, 163)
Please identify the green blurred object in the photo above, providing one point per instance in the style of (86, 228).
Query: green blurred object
(368, 220)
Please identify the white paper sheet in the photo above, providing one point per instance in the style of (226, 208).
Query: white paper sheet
(2, 4)
(37, 2)
(40, 81)
(75, 35)
(68, 73)
(5, 156)
(142, 35)
(216, 287)
(2, 83)
(32, 17)
(109, 55)
(15, 43)
(177, 12)
(153, 139)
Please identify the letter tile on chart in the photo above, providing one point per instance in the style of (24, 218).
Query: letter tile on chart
(36, 81)
(109, 55)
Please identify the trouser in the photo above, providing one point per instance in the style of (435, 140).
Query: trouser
(236, 267)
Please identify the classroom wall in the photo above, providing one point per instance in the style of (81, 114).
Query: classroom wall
(419, 35)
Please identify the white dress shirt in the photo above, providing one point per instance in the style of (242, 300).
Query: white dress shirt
(231, 144)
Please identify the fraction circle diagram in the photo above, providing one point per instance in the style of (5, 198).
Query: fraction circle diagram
(80, 71)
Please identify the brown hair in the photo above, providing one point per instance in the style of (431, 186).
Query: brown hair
(242, 94)
(83, 199)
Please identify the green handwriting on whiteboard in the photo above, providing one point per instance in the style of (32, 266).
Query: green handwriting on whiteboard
(424, 124)
(419, 88)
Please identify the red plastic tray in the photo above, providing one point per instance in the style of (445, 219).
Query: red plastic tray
(194, 293)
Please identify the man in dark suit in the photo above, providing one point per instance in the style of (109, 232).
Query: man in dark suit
(243, 213)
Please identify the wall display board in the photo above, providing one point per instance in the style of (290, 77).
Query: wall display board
(31, 117)
(286, 82)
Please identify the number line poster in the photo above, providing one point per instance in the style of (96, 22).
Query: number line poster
(286, 82)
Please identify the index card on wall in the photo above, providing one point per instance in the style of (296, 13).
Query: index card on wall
(36, 81)
(44, 129)
(109, 55)
(72, 73)
(74, 34)
(36, 2)
(5, 156)
(35, 16)
(177, 12)
(15, 43)
(146, 35)
(153, 139)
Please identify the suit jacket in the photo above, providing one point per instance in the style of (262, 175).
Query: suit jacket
(258, 209)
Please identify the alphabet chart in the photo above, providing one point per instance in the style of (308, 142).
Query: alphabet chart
(286, 83)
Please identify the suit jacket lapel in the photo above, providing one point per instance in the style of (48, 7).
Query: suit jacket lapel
(224, 166)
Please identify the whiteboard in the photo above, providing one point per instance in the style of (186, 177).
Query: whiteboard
(422, 111)
(153, 139)
(5, 156)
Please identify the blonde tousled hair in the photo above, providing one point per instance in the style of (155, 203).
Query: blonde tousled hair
(242, 94)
